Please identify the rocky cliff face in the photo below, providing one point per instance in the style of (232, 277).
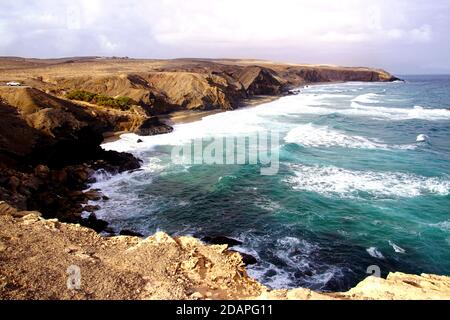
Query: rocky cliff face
(35, 255)
(49, 149)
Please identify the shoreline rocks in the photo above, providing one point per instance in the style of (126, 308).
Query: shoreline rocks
(47, 161)
(118, 268)
(221, 240)
(153, 126)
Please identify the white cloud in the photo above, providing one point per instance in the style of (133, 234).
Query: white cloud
(421, 34)
(285, 29)
(268, 23)
(107, 44)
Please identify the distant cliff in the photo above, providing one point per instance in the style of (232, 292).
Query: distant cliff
(162, 86)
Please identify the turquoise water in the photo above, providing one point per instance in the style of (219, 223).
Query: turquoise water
(354, 189)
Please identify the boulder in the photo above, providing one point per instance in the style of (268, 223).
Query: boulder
(153, 126)
(93, 195)
(221, 240)
(41, 171)
(247, 259)
(94, 223)
(130, 233)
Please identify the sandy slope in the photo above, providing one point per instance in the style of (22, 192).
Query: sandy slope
(36, 254)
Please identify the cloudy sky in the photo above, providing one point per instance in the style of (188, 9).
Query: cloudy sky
(403, 36)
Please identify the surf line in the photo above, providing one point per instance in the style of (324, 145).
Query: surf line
(256, 148)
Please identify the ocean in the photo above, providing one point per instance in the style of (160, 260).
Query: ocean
(363, 184)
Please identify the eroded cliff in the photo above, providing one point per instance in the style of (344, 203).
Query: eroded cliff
(162, 86)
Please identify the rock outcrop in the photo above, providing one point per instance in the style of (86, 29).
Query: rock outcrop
(49, 150)
(37, 257)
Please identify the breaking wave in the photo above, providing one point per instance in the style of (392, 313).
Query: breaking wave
(333, 181)
(366, 98)
(322, 136)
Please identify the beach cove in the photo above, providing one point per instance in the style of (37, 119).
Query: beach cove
(352, 172)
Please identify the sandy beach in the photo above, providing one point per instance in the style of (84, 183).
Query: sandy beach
(188, 116)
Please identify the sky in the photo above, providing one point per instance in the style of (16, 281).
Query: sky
(401, 36)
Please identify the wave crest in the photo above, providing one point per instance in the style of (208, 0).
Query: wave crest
(333, 181)
(322, 136)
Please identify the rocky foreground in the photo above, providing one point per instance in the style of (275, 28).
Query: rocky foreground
(37, 256)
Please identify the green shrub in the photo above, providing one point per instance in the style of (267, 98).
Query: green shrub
(81, 95)
(122, 103)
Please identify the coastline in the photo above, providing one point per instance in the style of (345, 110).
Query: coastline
(189, 116)
(196, 116)
(175, 118)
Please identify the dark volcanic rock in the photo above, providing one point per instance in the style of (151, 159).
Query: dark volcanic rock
(49, 151)
(222, 240)
(94, 223)
(153, 126)
(130, 233)
(115, 162)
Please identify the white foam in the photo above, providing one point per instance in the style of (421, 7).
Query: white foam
(280, 280)
(296, 254)
(422, 138)
(333, 181)
(444, 225)
(319, 104)
(366, 98)
(238, 122)
(267, 204)
(417, 112)
(322, 136)
(154, 164)
(374, 252)
(397, 248)
(249, 120)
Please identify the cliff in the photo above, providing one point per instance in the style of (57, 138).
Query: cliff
(163, 86)
(49, 149)
(35, 256)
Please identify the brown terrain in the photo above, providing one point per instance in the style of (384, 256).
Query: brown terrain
(36, 256)
(51, 129)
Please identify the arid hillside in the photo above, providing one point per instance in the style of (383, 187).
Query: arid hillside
(163, 86)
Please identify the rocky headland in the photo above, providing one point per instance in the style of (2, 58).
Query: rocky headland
(51, 129)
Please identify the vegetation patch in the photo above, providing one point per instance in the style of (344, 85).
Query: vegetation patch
(122, 103)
